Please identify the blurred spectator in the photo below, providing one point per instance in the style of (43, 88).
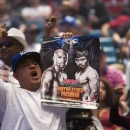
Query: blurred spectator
(114, 76)
(115, 117)
(83, 9)
(97, 14)
(68, 24)
(10, 21)
(34, 10)
(122, 38)
(35, 13)
(105, 103)
(15, 7)
(31, 33)
(116, 22)
(72, 24)
(68, 7)
(14, 42)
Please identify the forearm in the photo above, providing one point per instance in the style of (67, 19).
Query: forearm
(117, 38)
(105, 29)
(94, 94)
(46, 33)
(94, 85)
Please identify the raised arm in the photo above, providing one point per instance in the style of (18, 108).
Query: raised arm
(3, 33)
(114, 117)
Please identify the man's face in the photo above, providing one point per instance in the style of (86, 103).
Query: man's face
(12, 48)
(28, 73)
(81, 62)
(60, 58)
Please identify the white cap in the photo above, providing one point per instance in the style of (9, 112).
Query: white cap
(18, 35)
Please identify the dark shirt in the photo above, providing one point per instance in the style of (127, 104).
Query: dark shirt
(116, 119)
(122, 30)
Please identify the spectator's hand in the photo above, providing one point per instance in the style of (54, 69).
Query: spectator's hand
(117, 93)
(3, 32)
(50, 22)
(66, 35)
(97, 123)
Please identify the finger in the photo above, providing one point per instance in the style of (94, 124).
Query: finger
(3, 25)
(70, 34)
(53, 20)
(3, 33)
(62, 35)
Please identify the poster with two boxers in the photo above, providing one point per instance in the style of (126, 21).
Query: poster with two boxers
(70, 75)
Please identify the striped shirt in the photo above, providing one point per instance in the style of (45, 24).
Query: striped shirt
(6, 74)
(114, 76)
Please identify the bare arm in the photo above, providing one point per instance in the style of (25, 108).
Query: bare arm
(117, 38)
(93, 83)
(105, 29)
(114, 117)
(45, 83)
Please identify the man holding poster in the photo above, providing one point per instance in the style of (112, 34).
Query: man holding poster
(54, 75)
(86, 75)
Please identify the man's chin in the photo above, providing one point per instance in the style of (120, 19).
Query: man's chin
(37, 84)
(81, 68)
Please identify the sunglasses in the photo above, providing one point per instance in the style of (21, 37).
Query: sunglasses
(6, 44)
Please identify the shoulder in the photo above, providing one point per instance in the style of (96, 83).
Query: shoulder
(48, 72)
(92, 72)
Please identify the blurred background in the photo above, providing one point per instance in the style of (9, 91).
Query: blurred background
(109, 19)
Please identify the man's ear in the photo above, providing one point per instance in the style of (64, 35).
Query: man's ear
(15, 76)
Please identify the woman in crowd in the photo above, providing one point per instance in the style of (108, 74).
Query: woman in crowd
(105, 103)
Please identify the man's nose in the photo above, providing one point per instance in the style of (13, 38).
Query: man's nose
(32, 66)
(62, 60)
(80, 62)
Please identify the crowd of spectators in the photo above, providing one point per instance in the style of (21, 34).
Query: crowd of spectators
(79, 17)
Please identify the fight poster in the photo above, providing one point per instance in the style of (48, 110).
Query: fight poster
(70, 75)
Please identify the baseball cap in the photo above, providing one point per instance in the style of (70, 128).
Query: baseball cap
(18, 58)
(70, 20)
(18, 35)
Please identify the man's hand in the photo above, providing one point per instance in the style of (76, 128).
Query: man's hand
(3, 32)
(66, 35)
(50, 22)
(117, 93)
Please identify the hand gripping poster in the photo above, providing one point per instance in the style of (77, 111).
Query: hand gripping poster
(70, 75)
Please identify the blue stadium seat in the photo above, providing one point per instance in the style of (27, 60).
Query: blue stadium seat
(95, 32)
(108, 46)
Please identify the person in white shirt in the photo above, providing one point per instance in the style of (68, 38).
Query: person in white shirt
(21, 108)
